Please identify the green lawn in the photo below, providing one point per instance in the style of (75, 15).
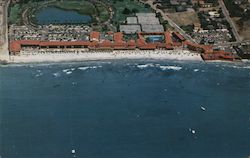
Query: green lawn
(15, 14)
(82, 7)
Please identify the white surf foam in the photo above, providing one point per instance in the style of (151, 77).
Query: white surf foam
(238, 67)
(88, 67)
(142, 66)
(66, 70)
(83, 68)
(162, 67)
(175, 68)
(39, 74)
(69, 72)
(196, 70)
(57, 74)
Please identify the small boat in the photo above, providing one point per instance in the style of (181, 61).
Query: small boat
(73, 151)
(192, 131)
(203, 109)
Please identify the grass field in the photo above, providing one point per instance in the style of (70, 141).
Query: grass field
(184, 18)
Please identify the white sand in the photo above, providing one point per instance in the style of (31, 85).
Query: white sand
(60, 56)
(4, 52)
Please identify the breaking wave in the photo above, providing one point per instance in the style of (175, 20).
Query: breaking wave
(245, 66)
(241, 67)
(162, 67)
(68, 70)
(196, 70)
(57, 74)
(88, 67)
(145, 66)
(175, 68)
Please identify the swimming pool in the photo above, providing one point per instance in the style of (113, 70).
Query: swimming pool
(155, 38)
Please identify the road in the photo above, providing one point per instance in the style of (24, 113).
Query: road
(4, 50)
(170, 21)
(230, 21)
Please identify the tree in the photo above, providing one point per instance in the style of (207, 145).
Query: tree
(134, 10)
(147, 6)
(126, 11)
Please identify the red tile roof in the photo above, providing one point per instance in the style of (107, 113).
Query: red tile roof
(219, 55)
(15, 46)
(168, 38)
(169, 47)
(105, 44)
(118, 37)
(179, 36)
(94, 36)
(148, 46)
(204, 48)
(65, 43)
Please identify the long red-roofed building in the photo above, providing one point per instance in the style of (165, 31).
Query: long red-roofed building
(119, 44)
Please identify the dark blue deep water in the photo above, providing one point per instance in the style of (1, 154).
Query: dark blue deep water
(125, 109)
(52, 15)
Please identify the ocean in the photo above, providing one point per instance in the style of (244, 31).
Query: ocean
(125, 109)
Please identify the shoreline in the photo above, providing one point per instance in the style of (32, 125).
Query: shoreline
(55, 56)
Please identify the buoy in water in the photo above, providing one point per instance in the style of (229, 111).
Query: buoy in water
(73, 151)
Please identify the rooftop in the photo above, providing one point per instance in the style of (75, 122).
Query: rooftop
(152, 28)
(132, 20)
(147, 18)
(94, 36)
(130, 29)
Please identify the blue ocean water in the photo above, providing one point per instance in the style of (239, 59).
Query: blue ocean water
(53, 15)
(125, 109)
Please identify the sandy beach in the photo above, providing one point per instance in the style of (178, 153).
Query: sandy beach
(29, 56)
